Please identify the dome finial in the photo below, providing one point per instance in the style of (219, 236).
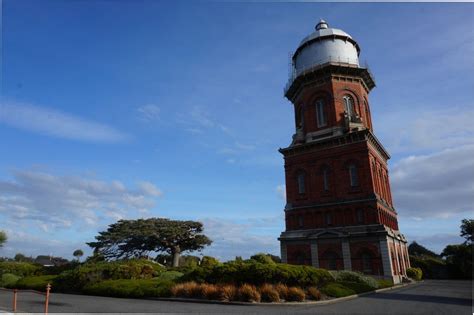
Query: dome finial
(321, 25)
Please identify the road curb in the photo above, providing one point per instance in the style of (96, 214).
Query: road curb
(325, 302)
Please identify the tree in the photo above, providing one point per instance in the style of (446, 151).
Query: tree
(3, 238)
(138, 238)
(416, 249)
(78, 253)
(467, 227)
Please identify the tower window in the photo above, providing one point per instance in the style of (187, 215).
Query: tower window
(349, 105)
(320, 114)
(326, 179)
(354, 179)
(300, 221)
(360, 216)
(328, 218)
(301, 183)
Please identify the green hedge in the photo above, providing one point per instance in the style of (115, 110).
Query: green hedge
(90, 273)
(38, 283)
(131, 288)
(415, 273)
(337, 290)
(356, 286)
(170, 275)
(385, 283)
(8, 279)
(21, 269)
(253, 272)
(357, 277)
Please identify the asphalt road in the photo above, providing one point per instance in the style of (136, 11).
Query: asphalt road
(429, 297)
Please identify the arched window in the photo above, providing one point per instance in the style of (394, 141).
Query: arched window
(354, 179)
(349, 105)
(320, 113)
(301, 183)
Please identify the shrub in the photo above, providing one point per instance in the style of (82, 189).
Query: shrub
(314, 293)
(295, 294)
(187, 290)
(132, 288)
(357, 277)
(256, 273)
(249, 293)
(21, 269)
(170, 275)
(37, 283)
(385, 283)
(415, 273)
(8, 279)
(336, 290)
(268, 293)
(90, 273)
(210, 291)
(282, 290)
(263, 258)
(357, 287)
(229, 292)
(209, 262)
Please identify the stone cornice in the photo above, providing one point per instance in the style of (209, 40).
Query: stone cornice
(331, 68)
(336, 141)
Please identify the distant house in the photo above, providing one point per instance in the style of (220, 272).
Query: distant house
(49, 261)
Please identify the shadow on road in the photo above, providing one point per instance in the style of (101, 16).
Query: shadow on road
(422, 298)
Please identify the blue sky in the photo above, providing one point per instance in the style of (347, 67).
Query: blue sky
(127, 109)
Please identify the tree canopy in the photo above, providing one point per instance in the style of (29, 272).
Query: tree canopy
(78, 253)
(467, 226)
(142, 237)
(3, 238)
(416, 249)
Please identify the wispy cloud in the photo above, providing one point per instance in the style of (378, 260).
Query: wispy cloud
(149, 112)
(51, 122)
(281, 191)
(198, 120)
(53, 201)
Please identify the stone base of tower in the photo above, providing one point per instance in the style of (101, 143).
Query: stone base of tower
(371, 249)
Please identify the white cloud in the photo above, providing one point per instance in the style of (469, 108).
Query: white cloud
(419, 129)
(149, 113)
(53, 201)
(232, 239)
(54, 123)
(198, 120)
(436, 185)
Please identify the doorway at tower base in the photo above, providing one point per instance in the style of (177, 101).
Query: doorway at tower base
(374, 250)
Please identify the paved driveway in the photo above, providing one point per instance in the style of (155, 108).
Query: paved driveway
(429, 297)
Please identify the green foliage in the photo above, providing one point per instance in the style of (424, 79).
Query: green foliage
(459, 260)
(78, 253)
(467, 227)
(263, 258)
(8, 279)
(170, 275)
(415, 273)
(432, 267)
(356, 277)
(138, 238)
(130, 288)
(418, 250)
(357, 287)
(337, 290)
(21, 269)
(385, 283)
(253, 272)
(209, 262)
(37, 283)
(19, 257)
(91, 273)
(3, 238)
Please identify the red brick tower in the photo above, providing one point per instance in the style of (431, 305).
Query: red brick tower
(339, 212)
